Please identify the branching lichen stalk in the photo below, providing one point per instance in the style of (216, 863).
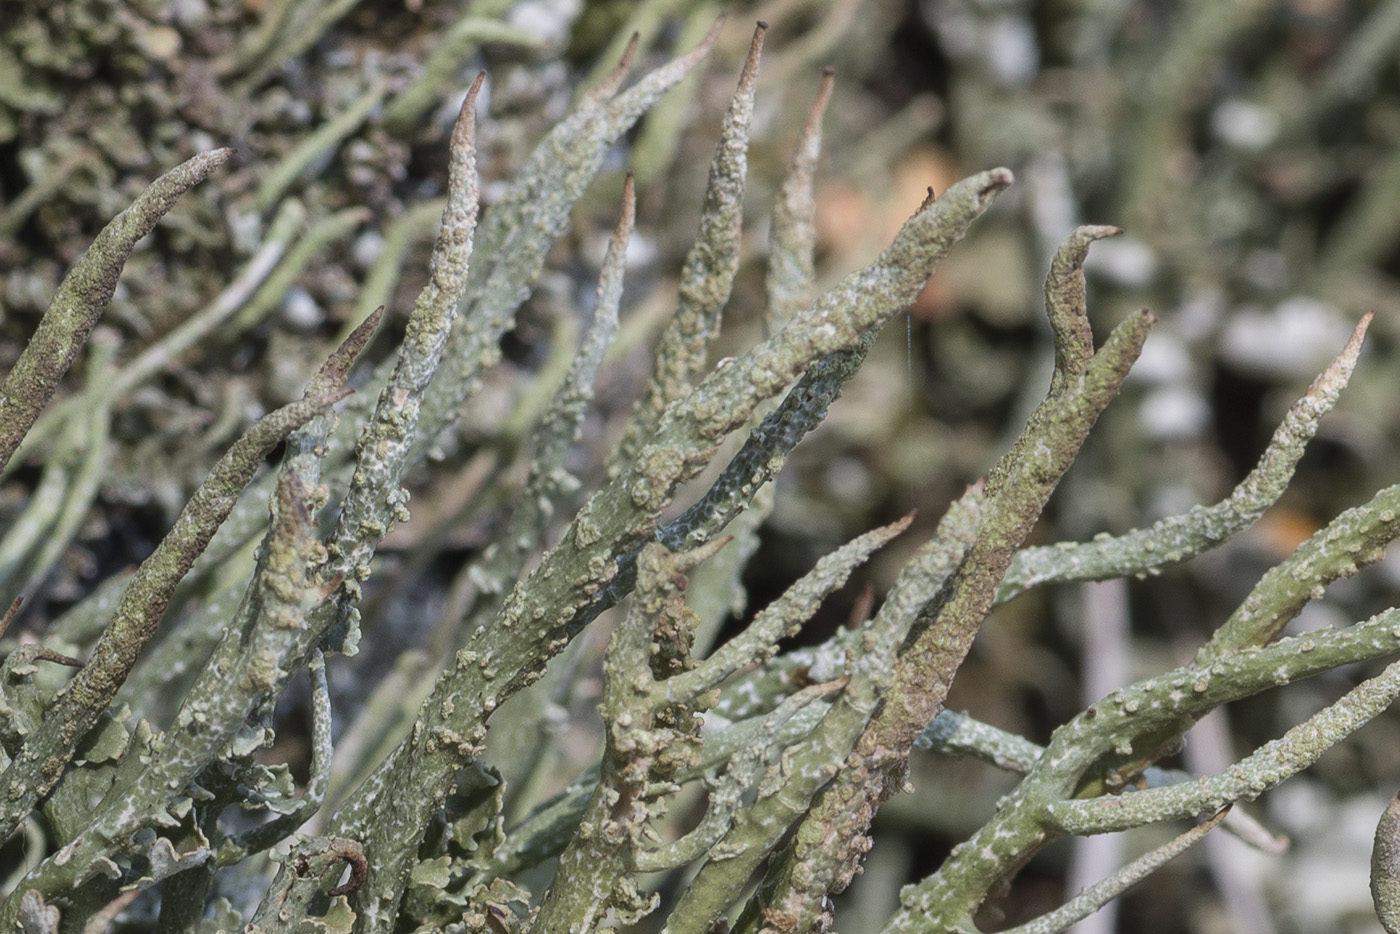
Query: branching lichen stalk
(1180, 538)
(499, 659)
(45, 754)
(1016, 492)
(708, 273)
(81, 297)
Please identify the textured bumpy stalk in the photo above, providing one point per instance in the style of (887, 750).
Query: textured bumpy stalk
(812, 764)
(1100, 894)
(736, 769)
(41, 762)
(1180, 538)
(81, 297)
(708, 273)
(242, 290)
(558, 431)
(511, 243)
(248, 669)
(1354, 539)
(733, 501)
(719, 591)
(1265, 768)
(1113, 741)
(781, 617)
(375, 500)
(517, 232)
(597, 872)
(534, 622)
(1016, 491)
(791, 263)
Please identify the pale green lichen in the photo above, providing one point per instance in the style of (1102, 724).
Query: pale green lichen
(797, 750)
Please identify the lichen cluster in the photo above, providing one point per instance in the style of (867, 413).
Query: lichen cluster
(139, 734)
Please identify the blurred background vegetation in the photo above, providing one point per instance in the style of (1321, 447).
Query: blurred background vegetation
(1249, 148)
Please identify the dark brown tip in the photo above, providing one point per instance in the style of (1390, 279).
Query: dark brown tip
(469, 102)
(10, 614)
(630, 51)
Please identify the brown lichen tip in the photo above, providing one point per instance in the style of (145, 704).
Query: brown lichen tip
(1358, 334)
(755, 50)
(629, 205)
(613, 79)
(818, 108)
(182, 178)
(467, 115)
(1338, 372)
(214, 157)
(337, 366)
(463, 145)
(630, 52)
(10, 615)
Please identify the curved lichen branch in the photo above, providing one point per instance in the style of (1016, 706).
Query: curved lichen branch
(559, 429)
(1353, 540)
(263, 279)
(1065, 302)
(765, 450)
(510, 245)
(395, 803)
(1017, 489)
(82, 295)
(1045, 805)
(247, 671)
(375, 500)
(783, 617)
(1267, 767)
(46, 753)
(647, 741)
(734, 496)
(708, 273)
(1105, 891)
(728, 794)
(1180, 538)
(808, 766)
(534, 209)
(791, 265)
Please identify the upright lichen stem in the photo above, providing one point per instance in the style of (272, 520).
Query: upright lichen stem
(81, 297)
